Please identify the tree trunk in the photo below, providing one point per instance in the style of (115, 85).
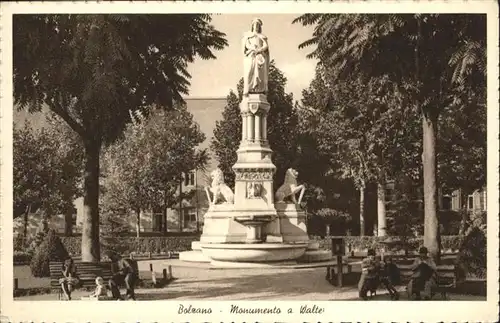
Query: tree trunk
(138, 223)
(180, 205)
(381, 219)
(45, 222)
(165, 203)
(25, 229)
(90, 229)
(68, 222)
(431, 221)
(463, 223)
(362, 210)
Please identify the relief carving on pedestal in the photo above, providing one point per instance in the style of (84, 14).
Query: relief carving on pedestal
(254, 190)
(254, 175)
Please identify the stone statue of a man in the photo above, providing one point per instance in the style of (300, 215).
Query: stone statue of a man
(255, 60)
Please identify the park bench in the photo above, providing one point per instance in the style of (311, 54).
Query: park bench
(87, 273)
(447, 279)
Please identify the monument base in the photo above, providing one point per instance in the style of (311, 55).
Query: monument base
(247, 252)
(292, 223)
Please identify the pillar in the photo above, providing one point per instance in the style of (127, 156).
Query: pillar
(251, 128)
(381, 212)
(244, 127)
(257, 127)
(264, 127)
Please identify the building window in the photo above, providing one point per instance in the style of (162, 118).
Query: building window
(189, 179)
(189, 215)
(470, 202)
(158, 222)
(446, 203)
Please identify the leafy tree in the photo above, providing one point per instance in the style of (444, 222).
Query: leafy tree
(436, 58)
(462, 145)
(51, 249)
(47, 170)
(145, 167)
(282, 124)
(362, 125)
(92, 69)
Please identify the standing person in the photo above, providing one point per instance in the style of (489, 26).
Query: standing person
(123, 273)
(69, 279)
(424, 275)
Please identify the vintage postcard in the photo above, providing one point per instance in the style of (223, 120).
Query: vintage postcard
(249, 161)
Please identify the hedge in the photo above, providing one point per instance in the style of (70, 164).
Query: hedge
(141, 245)
(356, 243)
(160, 245)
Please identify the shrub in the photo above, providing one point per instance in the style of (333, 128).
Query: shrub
(21, 257)
(51, 249)
(336, 220)
(18, 243)
(37, 240)
(451, 242)
(471, 258)
(451, 221)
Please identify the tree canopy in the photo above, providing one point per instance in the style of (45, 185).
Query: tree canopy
(47, 168)
(144, 168)
(91, 70)
(434, 58)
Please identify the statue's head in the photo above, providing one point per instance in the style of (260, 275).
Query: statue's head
(257, 25)
(291, 173)
(217, 176)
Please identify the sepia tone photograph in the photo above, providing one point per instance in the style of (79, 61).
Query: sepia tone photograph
(250, 157)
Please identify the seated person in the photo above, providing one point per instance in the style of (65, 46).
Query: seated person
(123, 273)
(390, 276)
(424, 275)
(100, 289)
(69, 279)
(370, 268)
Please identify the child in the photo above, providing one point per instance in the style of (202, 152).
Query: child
(100, 290)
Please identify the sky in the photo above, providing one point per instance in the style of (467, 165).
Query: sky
(214, 78)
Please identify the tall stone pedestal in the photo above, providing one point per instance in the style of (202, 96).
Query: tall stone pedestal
(253, 192)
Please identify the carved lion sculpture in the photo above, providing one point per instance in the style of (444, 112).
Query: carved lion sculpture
(219, 188)
(290, 187)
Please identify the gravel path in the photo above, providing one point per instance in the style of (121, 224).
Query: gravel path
(248, 284)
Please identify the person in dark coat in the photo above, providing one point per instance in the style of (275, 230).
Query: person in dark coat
(124, 273)
(370, 268)
(424, 276)
(390, 276)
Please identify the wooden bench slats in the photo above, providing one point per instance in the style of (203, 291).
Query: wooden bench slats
(87, 272)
